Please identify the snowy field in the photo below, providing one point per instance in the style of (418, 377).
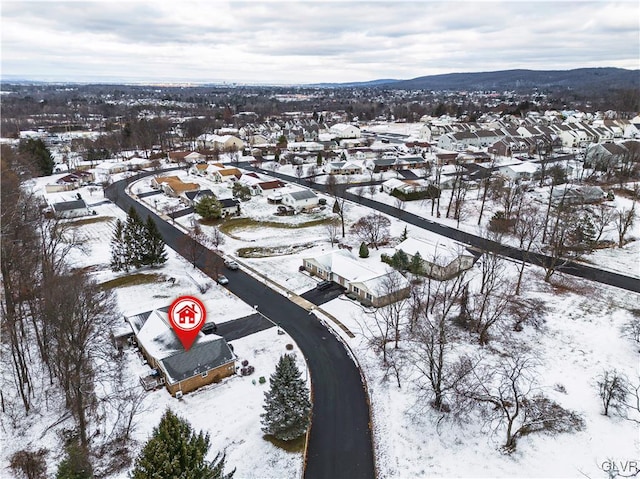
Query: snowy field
(580, 338)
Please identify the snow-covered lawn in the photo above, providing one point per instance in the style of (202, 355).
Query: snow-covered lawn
(581, 337)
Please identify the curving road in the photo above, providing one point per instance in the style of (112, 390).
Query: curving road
(340, 441)
(569, 267)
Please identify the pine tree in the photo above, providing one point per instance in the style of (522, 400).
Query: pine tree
(405, 234)
(319, 159)
(175, 450)
(364, 250)
(75, 464)
(134, 233)
(154, 253)
(400, 260)
(119, 260)
(209, 208)
(416, 266)
(287, 405)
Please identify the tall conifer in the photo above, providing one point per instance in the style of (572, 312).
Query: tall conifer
(287, 405)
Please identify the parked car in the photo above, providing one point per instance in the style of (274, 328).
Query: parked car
(222, 279)
(209, 327)
(322, 285)
(231, 264)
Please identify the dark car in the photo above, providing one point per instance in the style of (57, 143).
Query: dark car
(322, 285)
(209, 328)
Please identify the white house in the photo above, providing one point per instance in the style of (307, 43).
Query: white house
(220, 142)
(442, 258)
(70, 209)
(344, 130)
(299, 199)
(519, 171)
(372, 283)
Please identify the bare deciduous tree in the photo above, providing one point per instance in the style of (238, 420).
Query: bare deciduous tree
(372, 229)
(79, 312)
(510, 400)
(333, 230)
(431, 336)
(612, 389)
(388, 320)
(624, 219)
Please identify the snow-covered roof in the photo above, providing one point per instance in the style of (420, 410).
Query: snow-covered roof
(154, 333)
(441, 251)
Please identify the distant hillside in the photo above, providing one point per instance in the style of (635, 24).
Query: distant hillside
(581, 79)
(363, 84)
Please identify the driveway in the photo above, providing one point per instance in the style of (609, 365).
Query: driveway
(318, 297)
(239, 328)
(340, 442)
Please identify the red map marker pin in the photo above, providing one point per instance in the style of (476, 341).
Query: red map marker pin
(187, 316)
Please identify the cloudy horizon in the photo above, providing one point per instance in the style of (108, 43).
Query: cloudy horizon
(273, 42)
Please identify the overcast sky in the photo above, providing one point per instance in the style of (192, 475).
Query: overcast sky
(308, 41)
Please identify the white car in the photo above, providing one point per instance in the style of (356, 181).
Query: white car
(222, 279)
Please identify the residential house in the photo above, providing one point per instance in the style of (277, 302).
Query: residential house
(405, 186)
(208, 360)
(69, 182)
(199, 169)
(191, 198)
(195, 157)
(301, 199)
(344, 131)
(107, 168)
(343, 168)
(230, 207)
(577, 195)
(604, 155)
(221, 142)
(442, 258)
(522, 170)
(173, 185)
(70, 209)
(372, 283)
(230, 174)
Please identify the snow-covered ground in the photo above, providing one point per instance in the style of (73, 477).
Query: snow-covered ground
(581, 337)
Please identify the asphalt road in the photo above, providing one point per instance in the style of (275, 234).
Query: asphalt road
(340, 440)
(569, 267)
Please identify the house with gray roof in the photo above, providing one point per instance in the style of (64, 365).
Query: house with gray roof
(70, 209)
(300, 199)
(208, 360)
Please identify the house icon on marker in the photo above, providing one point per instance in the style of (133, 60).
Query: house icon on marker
(187, 314)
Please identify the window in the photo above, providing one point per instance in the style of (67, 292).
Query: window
(355, 290)
(205, 374)
(368, 296)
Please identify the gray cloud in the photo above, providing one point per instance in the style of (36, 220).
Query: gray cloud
(309, 41)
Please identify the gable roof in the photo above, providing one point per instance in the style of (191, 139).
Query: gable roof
(441, 251)
(192, 195)
(155, 335)
(299, 195)
(69, 205)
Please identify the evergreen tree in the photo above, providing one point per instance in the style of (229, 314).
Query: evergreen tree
(119, 259)
(153, 250)
(38, 152)
(287, 405)
(240, 191)
(400, 260)
(174, 450)
(134, 236)
(319, 159)
(75, 464)
(364, 250)
(209, 208)
(405, 234)
(416, 266)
